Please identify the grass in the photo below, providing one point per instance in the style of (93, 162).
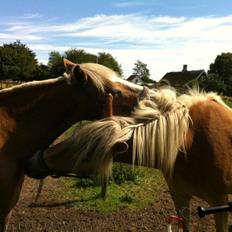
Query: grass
(130, 194)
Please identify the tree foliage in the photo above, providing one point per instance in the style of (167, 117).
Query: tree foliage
(55, 64)
(213, 82)
(142, 71)
(222, 66)
(42, 72)
(109, 61)
(79, 56)
(219, 75)
(17, 61)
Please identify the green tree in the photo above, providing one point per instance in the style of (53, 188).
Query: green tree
(142, 71)
(213, 82)
(55, 64)
(109, 61)
(18, 62)
(42, 72)
(222, 65)
(80, 56)
(220, 75)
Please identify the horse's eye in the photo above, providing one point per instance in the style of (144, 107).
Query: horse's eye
(116, 92)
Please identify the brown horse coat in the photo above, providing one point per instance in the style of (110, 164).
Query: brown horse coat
(205, 171)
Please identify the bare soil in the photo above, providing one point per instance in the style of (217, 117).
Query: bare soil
(52, 213)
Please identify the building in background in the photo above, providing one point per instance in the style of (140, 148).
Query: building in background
(182, 79)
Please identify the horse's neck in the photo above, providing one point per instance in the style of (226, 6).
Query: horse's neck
(37, 116)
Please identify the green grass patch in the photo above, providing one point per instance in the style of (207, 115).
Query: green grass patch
(132, 194)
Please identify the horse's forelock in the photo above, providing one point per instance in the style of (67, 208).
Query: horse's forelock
(100, 75)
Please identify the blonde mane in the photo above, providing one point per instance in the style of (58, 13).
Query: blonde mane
(91, 144)
(100, 75)
(157, 128)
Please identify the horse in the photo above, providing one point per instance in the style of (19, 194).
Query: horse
(33, 114)
(188, 137)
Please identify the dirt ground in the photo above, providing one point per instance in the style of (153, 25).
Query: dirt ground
(52, 213)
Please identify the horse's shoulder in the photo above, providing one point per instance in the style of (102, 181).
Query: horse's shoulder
(210, 115)
(208, 108)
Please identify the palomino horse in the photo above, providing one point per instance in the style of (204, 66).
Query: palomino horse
(188, 137)
(32, 115)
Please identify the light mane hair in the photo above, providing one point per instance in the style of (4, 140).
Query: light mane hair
(99, 74)
(91, 144)
(158, 130)
(195, 95)
(161, 135)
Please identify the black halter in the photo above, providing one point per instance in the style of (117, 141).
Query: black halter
(144, 93)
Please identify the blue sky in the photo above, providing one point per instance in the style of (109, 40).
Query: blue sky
(164, 34)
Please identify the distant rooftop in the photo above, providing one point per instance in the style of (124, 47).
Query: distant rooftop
(183, 77)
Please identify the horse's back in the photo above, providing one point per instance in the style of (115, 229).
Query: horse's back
(207, 164)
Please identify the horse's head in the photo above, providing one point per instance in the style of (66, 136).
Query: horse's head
(93, 82)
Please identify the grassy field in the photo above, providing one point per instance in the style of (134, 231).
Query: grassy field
(130, 194)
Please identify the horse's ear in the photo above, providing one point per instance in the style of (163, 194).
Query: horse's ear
(120, 147)
(68, 65)
(78, 74)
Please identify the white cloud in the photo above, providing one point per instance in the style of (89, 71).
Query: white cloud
(32, 16)
(134, 3)
(165, 43)
(19, 36)
(129, 4)
(48, 47)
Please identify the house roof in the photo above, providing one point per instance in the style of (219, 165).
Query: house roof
(183, 77)
(131, 77)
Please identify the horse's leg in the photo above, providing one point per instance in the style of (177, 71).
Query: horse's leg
(10, 188)
(221, 219)
(181, 202)
(39, 190)
(4, 222)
